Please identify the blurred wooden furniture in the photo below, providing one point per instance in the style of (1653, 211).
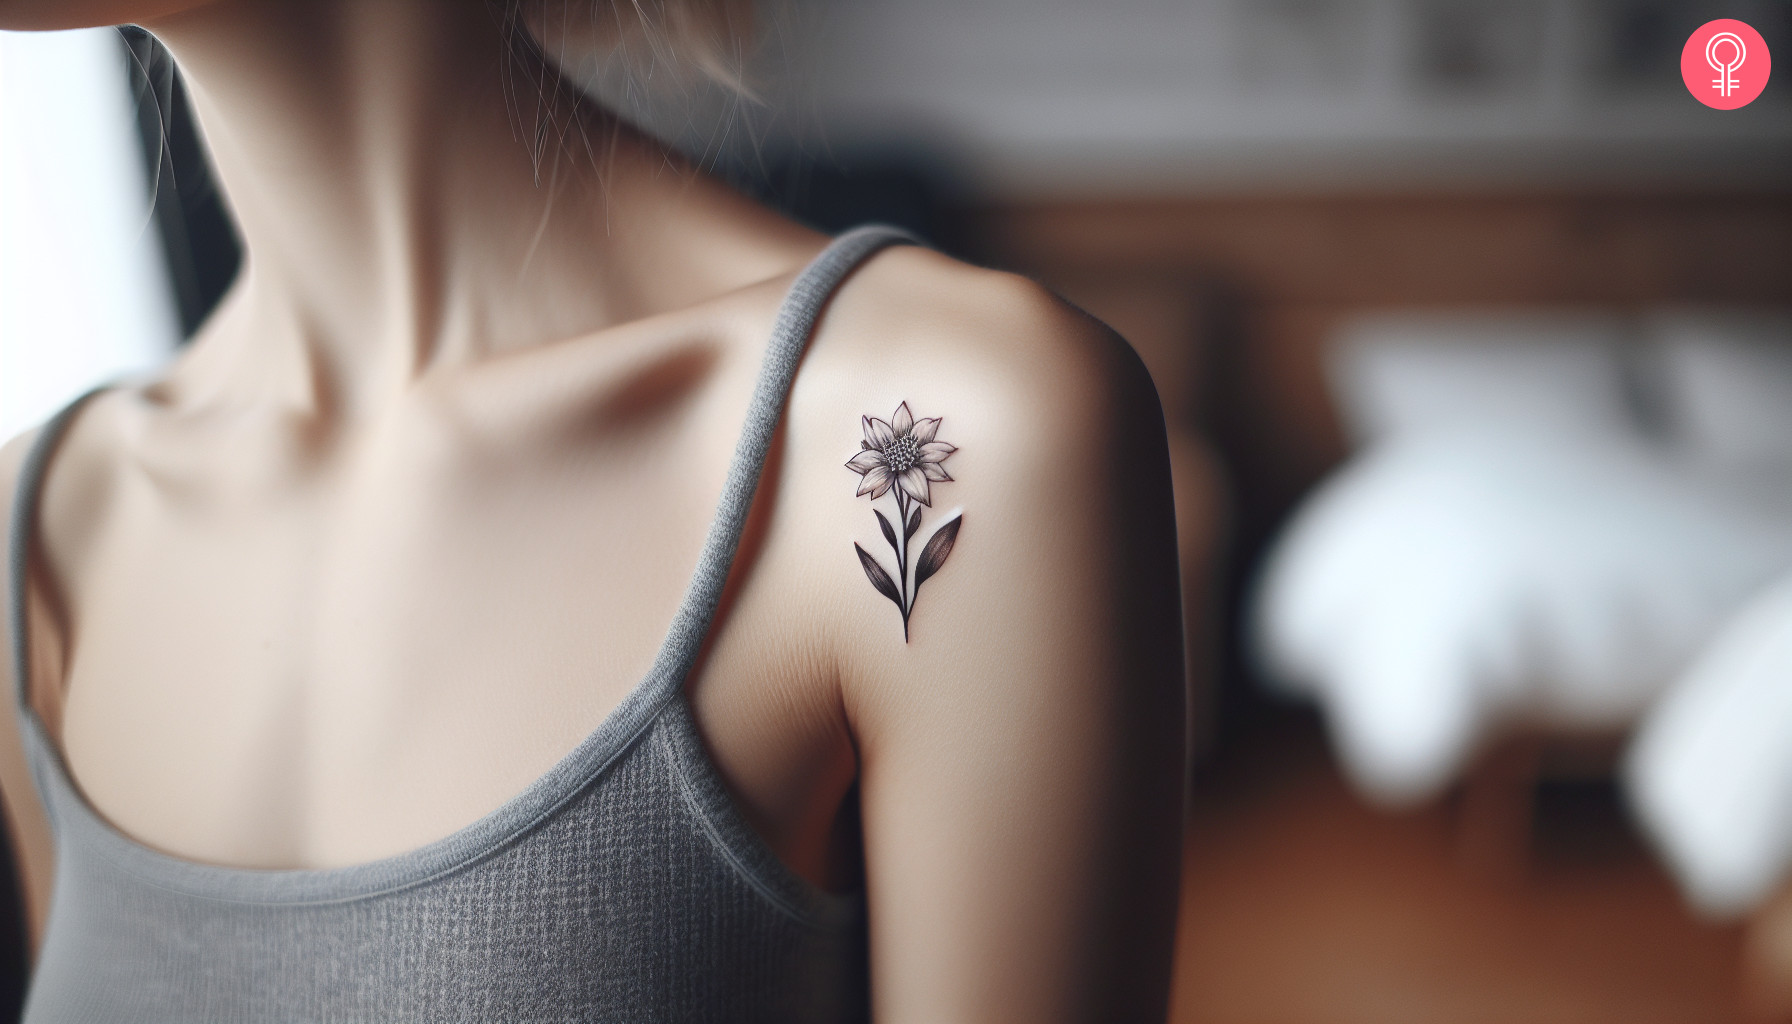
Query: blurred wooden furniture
(1767, 959)
(1277, 274)
(1300, 905)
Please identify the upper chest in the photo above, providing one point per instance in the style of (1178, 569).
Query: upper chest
(275, 658)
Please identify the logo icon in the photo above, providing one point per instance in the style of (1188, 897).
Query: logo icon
(1726, 69)
(1725, 64)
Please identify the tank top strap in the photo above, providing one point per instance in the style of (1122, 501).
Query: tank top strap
(20, 538)
(801, 308)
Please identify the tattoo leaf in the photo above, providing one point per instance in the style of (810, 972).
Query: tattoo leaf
(879, 578)
(889, 532)
(914, 523)
(938, 547)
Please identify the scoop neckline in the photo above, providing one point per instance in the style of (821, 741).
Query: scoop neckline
(484, 837)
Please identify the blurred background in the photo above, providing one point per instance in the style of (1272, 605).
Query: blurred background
(1473, 331)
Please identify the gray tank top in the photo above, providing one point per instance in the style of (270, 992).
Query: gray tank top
(623, 885)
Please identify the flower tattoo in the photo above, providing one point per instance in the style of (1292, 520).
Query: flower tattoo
(902, 457)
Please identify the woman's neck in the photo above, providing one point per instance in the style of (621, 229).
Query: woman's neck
(378, 157)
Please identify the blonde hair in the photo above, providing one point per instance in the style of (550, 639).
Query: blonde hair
(685, 40)
(668, 67)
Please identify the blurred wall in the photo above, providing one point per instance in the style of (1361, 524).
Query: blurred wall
(1127, 95)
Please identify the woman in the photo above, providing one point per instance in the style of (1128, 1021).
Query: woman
(346, 676)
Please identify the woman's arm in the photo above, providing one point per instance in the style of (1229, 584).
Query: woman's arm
(1021, 751)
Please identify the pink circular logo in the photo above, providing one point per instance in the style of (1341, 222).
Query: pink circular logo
(1725, 64)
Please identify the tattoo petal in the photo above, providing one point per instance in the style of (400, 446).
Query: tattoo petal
(865, 462)
(903, 421)
(877, 481)
(934, 471)
(935, 451)
(914, 483)
(878, 433)
(925, 430)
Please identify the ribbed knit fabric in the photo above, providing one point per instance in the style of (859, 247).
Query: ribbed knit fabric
(623, 885)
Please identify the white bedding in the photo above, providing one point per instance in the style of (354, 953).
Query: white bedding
(1511, 543)
(1710, 773)
(1444, 583)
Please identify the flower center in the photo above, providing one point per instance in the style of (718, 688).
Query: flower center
(902, 453)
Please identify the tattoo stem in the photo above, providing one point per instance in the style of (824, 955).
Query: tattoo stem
(902, 557)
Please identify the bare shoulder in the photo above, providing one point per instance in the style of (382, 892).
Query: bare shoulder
(912, 311)
(1023, 382)
(1048, 456)
(68, 508)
